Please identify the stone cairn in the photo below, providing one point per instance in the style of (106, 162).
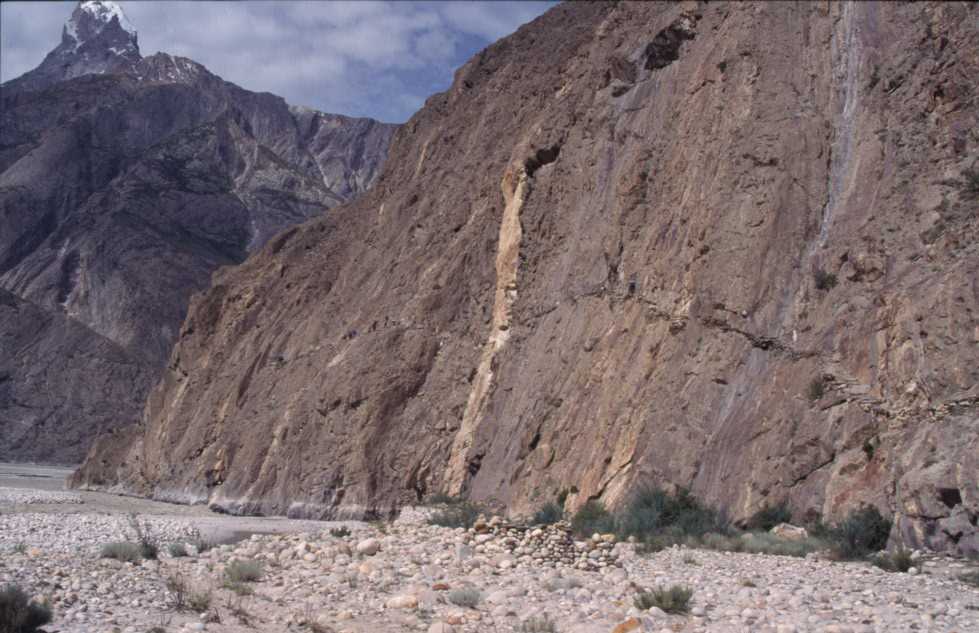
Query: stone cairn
(542, 545)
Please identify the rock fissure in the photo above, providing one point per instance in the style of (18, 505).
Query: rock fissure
(516, 187)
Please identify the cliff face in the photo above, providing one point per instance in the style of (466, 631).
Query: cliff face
(724, 246)
(123, 188)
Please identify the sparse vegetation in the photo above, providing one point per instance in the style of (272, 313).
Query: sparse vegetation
(864, 531)
(340, 532)
(467, 597)
(460, 514)
(817, 388)
(199, 601)
(238, 588)
(823, 279)
(241, 571)
(769, 516)
(148, 548)
(20, 614)
(442, 499)
(654, 514)
(591, 518)
(121, 551)
(538, 624)
(20, 548)
(548, 513)
(675, 599)
(899, 560)
(177, 550)
(177, 588)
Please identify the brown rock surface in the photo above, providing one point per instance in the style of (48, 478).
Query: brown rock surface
(606, 255)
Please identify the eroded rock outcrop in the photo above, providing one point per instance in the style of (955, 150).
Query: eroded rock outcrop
(126, 181)
(734, 249)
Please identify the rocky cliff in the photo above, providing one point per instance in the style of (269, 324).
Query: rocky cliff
(125, 182)
(724, 246)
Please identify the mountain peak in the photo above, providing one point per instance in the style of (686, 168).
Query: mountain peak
(97, 39)
(102, 23)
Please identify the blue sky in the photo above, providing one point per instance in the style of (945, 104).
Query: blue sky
(379, 59)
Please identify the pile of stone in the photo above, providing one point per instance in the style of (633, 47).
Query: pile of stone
(544, 545)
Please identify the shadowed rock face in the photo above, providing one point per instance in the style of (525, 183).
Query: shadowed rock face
(724, 246)
(124, 185)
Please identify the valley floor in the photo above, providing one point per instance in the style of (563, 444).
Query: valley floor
(406, 576)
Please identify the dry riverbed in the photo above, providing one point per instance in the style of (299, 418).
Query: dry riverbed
(409, 576)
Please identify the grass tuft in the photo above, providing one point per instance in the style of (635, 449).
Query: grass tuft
(897, 561)
(121, 551)
(467, 597)
(538, 624)
(675, 599)
(241, 571)
(177, 550)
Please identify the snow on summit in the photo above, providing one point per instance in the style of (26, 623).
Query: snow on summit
(105, 10)
(91, 17)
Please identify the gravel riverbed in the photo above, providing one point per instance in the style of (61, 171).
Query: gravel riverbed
(410, 576)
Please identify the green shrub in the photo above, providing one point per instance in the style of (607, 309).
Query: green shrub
(864, 531)
(653, 512)
(340, 532)
(899, 560)
(591, 518)
(548, 514)
(824, 280)
(769, 516)
(177, 550)
(462, 514)
(239, 571)
(675, 599)
(121, 551)
(20, 614)
(467, 597)
(20, 548)
(202, 545)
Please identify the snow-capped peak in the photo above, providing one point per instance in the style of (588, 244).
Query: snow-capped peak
(91, 17)
(105, 10)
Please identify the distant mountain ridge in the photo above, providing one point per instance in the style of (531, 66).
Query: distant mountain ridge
(124, 183)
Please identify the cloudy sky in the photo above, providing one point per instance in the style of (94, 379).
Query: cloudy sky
(379, 59)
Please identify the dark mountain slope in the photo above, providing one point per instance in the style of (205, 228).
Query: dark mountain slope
(123, 186)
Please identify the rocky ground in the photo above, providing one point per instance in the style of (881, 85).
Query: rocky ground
(409, 576)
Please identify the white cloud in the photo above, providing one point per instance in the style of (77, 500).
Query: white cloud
(364, 58)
